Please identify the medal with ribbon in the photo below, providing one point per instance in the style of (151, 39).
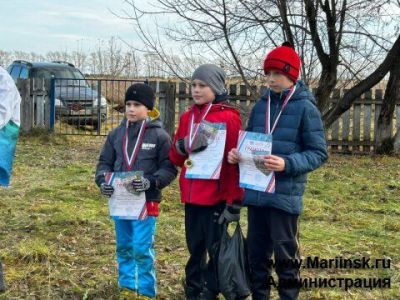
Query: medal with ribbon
(193, 132)
(269, 130)
(130, 160)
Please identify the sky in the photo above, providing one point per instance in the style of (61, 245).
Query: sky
(49, 25)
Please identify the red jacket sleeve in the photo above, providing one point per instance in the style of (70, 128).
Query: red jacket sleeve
(174, 156)
(230, 172)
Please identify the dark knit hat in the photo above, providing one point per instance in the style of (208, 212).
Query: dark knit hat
(213, 76)
(284, 60)
(142, 93)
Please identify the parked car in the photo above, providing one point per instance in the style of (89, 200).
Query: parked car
(75, 100)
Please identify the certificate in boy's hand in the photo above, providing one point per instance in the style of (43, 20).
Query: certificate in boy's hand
(253, 147)
(207, 163)
(125, 202)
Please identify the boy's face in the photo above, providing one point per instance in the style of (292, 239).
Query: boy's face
(201, 92)
(278, 82)
(135, 111)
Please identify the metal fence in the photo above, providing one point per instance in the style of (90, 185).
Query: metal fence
(73, 107)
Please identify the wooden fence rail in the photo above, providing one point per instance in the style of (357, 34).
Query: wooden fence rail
(353, 132)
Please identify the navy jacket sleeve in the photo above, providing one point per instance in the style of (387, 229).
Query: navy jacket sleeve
(166, 172)
(106, 160)
(314, 152)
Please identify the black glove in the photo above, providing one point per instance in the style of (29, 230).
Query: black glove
(230, 214)
(259, 162)
(199, 144)
(106, 189)
(142, 184)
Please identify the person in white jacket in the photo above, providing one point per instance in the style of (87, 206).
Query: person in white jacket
(10, 102)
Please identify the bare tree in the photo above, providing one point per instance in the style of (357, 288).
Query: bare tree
(5, 58)
(78, 58)
(133, 64)
(337, 40)
(115, 58)
(384, 141)
(371, 80)
(58, 56)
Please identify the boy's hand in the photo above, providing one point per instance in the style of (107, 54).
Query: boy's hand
(233, 156)
(199, 144)
(141, 185)
(259, 162)
(274, 163)
(106, 189)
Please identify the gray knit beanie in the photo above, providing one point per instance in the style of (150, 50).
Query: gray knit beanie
(213, 76)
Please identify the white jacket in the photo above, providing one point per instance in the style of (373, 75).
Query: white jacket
(10, 100)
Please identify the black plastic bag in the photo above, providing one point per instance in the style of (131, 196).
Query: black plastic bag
(233, 276)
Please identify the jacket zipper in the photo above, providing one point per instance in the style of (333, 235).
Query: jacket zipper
(272, 121)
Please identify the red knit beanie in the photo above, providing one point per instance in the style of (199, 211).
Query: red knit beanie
(284, 60)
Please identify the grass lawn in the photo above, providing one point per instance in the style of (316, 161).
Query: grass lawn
(57, 241)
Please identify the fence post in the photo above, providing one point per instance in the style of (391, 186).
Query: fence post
(38, 94)
(367, 119)
(98, 106)
(166, 104)
(24, 87)
(169, 113)
(356, 125)
(335, 126)
(52, 104)
(345, 128)
(183, 91)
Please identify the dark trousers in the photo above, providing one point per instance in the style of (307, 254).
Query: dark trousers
(202, 236)
(272, 231)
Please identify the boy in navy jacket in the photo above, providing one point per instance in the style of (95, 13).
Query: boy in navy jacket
(140, 144)
(299, 147)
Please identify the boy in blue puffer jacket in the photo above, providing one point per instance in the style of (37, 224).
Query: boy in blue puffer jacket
(298, 147)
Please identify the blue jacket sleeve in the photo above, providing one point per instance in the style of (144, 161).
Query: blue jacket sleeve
(314, 152)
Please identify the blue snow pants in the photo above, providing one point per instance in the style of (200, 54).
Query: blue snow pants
(135, 255)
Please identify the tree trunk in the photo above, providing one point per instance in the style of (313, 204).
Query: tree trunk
(396, 141)
(325, 87)
(383, 136)
(351, 95)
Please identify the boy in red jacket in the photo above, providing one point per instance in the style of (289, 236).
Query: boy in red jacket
(207, 202)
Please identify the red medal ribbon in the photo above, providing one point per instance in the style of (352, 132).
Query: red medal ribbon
(194, 128)
(130, 160)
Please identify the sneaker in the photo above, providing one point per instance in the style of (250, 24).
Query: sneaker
(127, 294)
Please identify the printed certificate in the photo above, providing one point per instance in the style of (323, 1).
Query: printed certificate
(207, 163)
(253, 146)
(125, 202)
